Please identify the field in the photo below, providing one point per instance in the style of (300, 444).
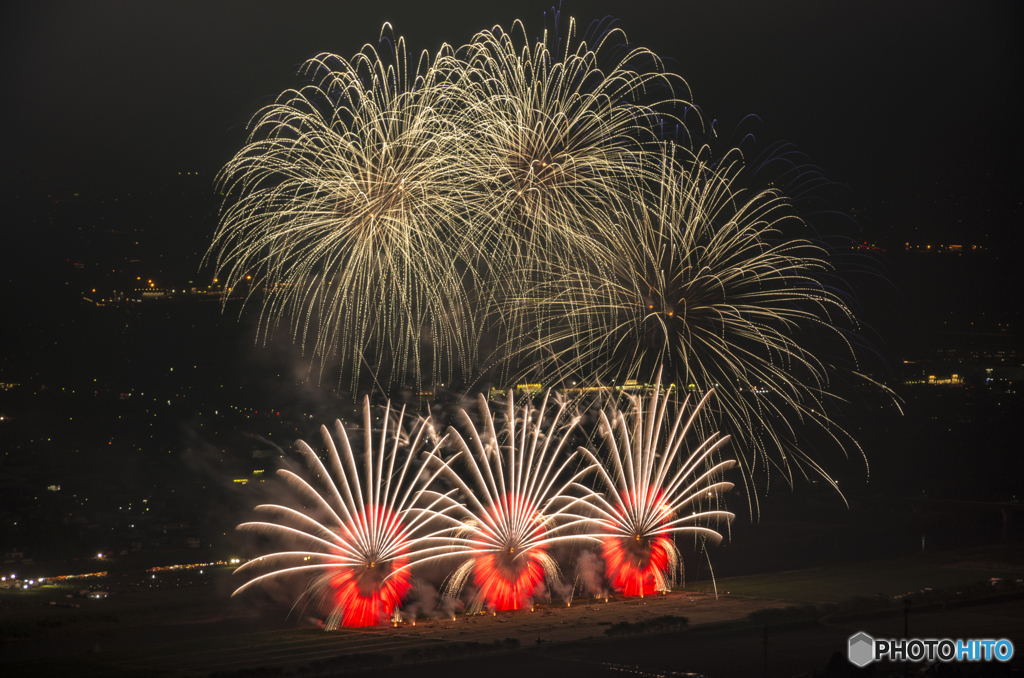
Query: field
(836, 583)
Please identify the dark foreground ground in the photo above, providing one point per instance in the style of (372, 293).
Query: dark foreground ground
(183, 624)
(795, 651)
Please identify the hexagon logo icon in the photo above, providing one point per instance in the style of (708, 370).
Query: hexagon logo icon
(861, 649)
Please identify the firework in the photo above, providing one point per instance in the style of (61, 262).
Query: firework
(559, 139)
(559, 135)
(385, 214)
(344, 210)
(355, 540)
(705, 283)
(523, 496)
(656, 491)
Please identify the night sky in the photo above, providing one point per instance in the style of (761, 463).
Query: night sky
(914, 105)
(119, 114)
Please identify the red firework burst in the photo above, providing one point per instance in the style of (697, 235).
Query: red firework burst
(353, 542)
(659, 493)
(633, 563)
(507, 585)
(366, 593)
(369, 595)
(512, 573)
(525, 498)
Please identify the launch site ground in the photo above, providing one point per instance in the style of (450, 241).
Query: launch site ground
(191, 627)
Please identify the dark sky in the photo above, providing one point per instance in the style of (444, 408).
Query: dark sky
(915, 105)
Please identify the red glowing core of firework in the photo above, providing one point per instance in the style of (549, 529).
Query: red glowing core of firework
(368, 594)
(507, 584)
(508, 578)
(632, 561)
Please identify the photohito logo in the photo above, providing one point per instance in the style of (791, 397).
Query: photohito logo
(863, 649)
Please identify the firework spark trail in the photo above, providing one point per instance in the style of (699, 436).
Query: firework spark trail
(345, 209)
(704, 282)
(358, 539)
(525, 496)
(651, 485)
